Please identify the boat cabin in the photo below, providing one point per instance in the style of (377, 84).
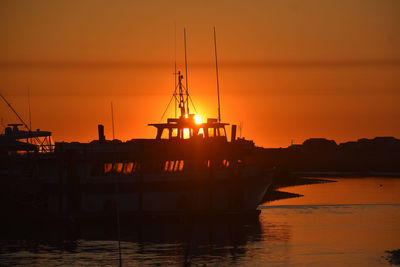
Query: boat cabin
(188, 127)
(21, 141)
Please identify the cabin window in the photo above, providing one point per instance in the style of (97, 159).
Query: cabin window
(174, 132)
(200, 133)
(222, 131)
(107, 167)
(173, 166)
(117, 167)
(166, 167)
(225, 163)
(170, 166)
(125, 168)
(179, 165)
(211, 132)
(128, 166)
(208, 163)
(164, 134)
(176, 166)
(187, 133)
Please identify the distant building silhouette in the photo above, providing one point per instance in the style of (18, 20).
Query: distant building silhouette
(380, 154)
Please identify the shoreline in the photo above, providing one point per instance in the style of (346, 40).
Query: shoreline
(287, 180)
(339, 174)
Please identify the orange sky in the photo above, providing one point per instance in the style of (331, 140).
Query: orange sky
(289, 70)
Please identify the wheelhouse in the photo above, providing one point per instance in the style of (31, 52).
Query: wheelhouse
(186, 127)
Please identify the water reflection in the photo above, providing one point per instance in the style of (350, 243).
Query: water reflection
(351, 222)
(189, 242)
(371, 190)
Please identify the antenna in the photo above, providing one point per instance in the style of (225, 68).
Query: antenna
(186, 73)
(216, 68)
(112, 120)
(29, 106)
(175, 67)
(181, 95)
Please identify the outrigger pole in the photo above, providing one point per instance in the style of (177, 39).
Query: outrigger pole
(13, 110)
(216, 68)
(21, 120)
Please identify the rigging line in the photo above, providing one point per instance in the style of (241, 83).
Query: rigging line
(21, 120)
(186, 73)
(175, 102)
(166, 108)
(175, 94)
(191, 101)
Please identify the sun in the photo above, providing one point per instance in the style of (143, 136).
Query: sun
(197, 119)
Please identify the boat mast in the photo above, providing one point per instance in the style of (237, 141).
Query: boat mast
(186, 73)
(29, 107)
(216, 68)
(175, 68)
(112, 120)
(182, 93)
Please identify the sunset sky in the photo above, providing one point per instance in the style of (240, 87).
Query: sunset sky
(289, 70)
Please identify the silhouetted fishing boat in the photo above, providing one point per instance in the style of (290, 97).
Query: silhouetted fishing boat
(189, 168)
(25, 155)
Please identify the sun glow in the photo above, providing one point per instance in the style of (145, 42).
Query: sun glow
(197, 119)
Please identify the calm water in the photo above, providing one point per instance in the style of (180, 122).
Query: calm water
(351, 222)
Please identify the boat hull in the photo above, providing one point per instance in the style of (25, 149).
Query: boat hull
(70, 184)
(187, 195)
